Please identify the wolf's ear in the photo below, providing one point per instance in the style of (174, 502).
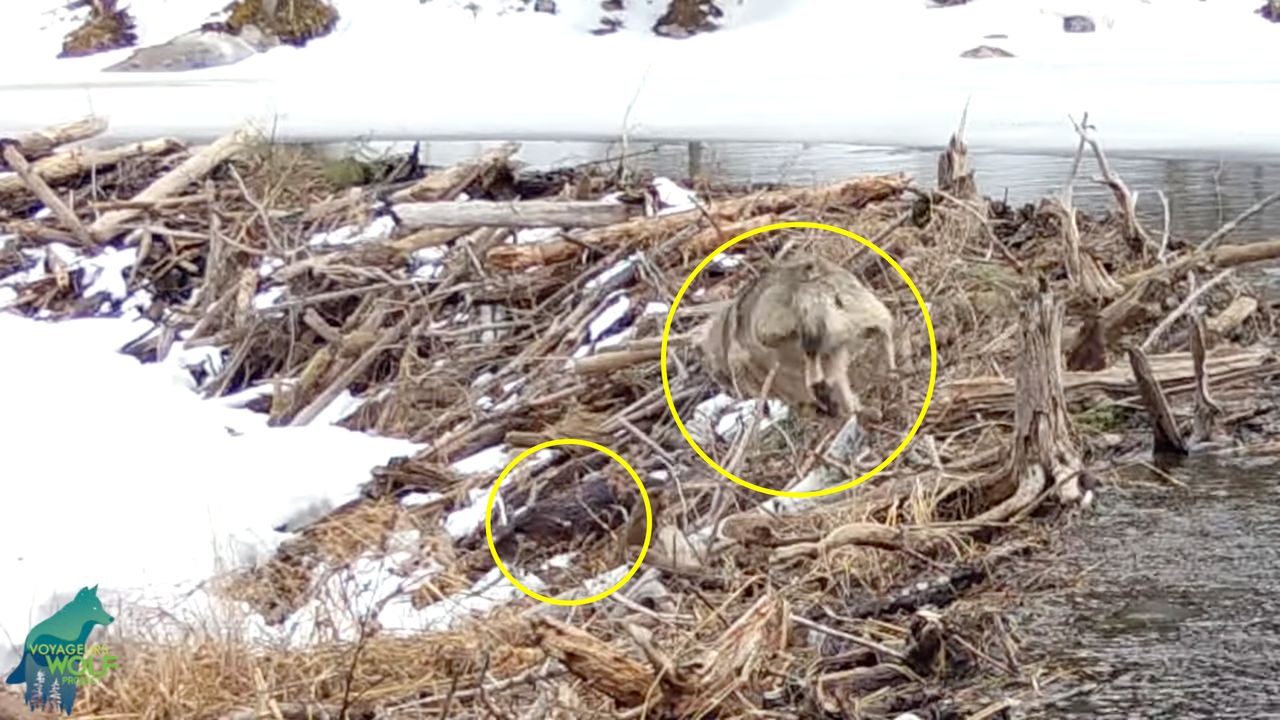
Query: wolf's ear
(94, 589)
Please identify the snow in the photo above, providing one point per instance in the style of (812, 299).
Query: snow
(159, 487)
(1158, 78)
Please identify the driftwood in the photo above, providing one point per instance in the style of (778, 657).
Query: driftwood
(645, 232)
(1182, 308)
(37, 144)
(1085, 272)
(1166, 435)
(13, 157)
(192, 170)
(1233, 316)
(1206, 408)
(1045, 448)
(955, 177)
(1218, 257)
(67, 166)
(448, 184)
(529, 213)
(1173, 370)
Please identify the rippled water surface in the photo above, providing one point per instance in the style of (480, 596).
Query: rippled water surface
(1180, 600)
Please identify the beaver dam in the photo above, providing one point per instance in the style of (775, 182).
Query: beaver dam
(481, 310)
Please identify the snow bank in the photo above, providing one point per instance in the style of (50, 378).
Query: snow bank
(117, 474)
(1157, 77)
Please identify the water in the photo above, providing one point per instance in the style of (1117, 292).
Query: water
(1180, 599)
(1202, 195)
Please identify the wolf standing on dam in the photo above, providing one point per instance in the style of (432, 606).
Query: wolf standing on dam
(808, 318)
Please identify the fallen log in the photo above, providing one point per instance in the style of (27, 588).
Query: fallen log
(1174, 371)
(527, 214)
(37, 144)
(1167, 437)
(13, 157)
(192, 170)
(1206, 408)
(649, 231)
(67, 166)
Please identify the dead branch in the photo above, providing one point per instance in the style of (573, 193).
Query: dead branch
(37, 144)
(192, 170)
(42, 191)
(1206, 408)
(1182, 308)
(528, 213)
(1212, 241)
(1167, 436)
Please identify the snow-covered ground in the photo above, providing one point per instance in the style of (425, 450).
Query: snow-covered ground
(116, 473)
(1176, 77)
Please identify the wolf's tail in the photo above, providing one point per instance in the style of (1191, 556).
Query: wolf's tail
(19, 674)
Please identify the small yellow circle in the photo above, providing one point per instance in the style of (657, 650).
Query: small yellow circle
(933, 361)
(493, 497)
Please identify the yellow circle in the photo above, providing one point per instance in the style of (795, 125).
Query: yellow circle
(493, 496)
(933, 361)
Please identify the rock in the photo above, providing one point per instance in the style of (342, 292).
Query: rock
(546, 6)
(1078, 24)
(685, 18)
(983, 52)
(997, 36)
(192, 51)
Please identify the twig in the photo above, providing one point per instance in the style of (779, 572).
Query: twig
(1164, 236)
(1178, 312)
(41, 190)
(1223, 231)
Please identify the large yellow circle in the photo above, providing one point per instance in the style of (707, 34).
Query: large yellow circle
(933, 361)
(493, 496)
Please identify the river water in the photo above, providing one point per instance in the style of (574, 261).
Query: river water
(1177, 607)
(1202, 195)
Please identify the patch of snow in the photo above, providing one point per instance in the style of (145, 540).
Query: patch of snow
(727, 261)
(417, 499)
(234, 489)
(461, 523)
(380, 229)
(536, 235)
(659, 309)
(490, 460)
(678, 199)
(615, 270)
(265, 299)
(610, 315)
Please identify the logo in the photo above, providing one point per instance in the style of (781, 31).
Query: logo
(56, 661)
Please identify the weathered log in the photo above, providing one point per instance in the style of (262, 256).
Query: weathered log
(1173, 370)
(1219, 257)
(67, 166)
(192, 170)
(1233, 316)
(648, 231)
(529, 214)
(37, 144)
(1045, 449)
(597, 663)
(1167, 437)
(41, 190)
(1206, 408)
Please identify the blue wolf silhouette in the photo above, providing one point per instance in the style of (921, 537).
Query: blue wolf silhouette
(70, 625)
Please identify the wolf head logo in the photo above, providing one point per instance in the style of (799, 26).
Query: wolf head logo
(53, 645)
